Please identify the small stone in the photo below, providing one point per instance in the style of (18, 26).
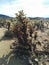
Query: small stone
(36, 59)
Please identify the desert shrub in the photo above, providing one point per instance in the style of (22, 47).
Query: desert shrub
(39, 24)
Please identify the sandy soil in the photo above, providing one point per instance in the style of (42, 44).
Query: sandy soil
(4, 44)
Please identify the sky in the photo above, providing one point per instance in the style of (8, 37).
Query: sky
(32, 8)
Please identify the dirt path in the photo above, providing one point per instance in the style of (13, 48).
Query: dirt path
(2, 31)
(4, 44)
(5, 56)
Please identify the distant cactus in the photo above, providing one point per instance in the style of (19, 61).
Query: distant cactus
(8, 25)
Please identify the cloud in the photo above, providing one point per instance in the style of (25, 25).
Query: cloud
(34, 8)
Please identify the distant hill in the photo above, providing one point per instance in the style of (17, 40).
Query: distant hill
(38, 18)
(31, 18)
(5, 16)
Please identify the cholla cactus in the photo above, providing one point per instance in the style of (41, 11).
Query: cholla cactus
(8, 25)
(21, 29)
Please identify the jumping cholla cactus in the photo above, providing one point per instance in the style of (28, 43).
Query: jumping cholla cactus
(8, 25)
(21, 30)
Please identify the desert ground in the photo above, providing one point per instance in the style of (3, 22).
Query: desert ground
(6, 57)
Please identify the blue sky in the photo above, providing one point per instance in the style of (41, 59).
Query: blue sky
(32, 8)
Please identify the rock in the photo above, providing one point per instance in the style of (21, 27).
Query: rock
(36, 59)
